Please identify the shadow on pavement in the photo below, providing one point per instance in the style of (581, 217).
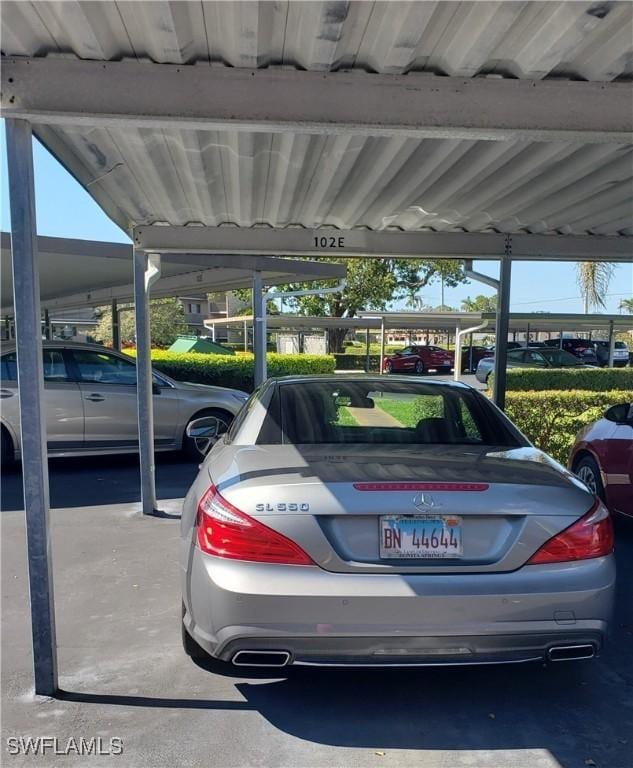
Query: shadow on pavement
(581, 713)
(98, 480)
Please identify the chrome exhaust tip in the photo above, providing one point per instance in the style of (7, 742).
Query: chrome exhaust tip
(571, 652)
(261, 658)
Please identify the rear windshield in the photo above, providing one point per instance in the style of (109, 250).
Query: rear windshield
(389, 413)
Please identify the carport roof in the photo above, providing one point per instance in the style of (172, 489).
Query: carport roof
(444, 321)
(454, 117)
(85, 273)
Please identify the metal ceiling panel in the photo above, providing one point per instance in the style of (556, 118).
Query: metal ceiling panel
(143, 176)
(580, 40)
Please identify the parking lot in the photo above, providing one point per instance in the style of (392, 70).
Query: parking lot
(123, 672)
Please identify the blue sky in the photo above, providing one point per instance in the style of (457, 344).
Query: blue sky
(65, 209)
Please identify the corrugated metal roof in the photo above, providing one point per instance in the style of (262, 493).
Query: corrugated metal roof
(588, 40)
(179, 176)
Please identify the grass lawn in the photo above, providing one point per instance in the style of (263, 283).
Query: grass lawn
(409, 412)
(402, 410)
(345, 418)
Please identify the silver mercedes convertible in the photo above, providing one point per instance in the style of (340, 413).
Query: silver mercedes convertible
(365, 521)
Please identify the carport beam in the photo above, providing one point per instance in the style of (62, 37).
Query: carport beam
(146, 271)
(502, 325)
(28, 335)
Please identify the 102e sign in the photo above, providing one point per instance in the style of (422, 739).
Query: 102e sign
(329, 241)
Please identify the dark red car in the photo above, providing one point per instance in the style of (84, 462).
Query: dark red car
(602, 457)
(478, 353)
(419, 359)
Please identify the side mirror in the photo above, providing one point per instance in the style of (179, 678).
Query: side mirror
(208, 427)
(205, 432)
(622, 413)
(155, 388)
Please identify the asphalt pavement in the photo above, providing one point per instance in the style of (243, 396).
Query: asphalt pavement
(124, 675)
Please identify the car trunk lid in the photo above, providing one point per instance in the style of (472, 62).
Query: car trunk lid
(332, 500)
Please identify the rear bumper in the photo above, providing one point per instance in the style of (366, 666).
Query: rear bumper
(417, 651)
(324, 618)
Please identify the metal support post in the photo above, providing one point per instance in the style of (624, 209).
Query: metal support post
(457, 360)
(146, 272)
(28, 334)
(259, 329)
(470, 354)
(459, 334)
(47, 326)
(502, 323)
(245, 336)
(366, 350)
(116, 325)
(382, 344)
(611, 344)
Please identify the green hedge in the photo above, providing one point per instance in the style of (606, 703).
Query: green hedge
(355, 362)
(551, 419)
(586, 379)
(234, 371)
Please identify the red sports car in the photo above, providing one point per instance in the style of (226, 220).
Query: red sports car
(602, 457)
(419, 359)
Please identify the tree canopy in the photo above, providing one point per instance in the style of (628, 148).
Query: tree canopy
(593, 279)
(626, 305)
(480, 303)
(167, 322)
(371, 284)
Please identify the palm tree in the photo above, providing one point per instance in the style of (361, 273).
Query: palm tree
(626, 304)
(593, 279)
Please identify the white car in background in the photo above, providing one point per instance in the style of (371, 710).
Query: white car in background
(91, 407)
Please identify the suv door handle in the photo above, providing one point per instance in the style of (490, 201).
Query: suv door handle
(95, 398)
(6, 393)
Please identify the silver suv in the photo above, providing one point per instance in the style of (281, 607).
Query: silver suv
(90, 397)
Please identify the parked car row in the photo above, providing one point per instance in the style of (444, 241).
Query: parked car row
(421, 359)
(326, 486)
(527, 357)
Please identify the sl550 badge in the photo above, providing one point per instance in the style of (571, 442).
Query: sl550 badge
(291, 507)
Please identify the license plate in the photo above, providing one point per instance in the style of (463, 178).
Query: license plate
(420, 536)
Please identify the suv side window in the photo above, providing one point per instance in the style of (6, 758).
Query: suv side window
(515, 355)
(9, 367)
(52, 360)
(104, 368)
(535, 359)
(54, 365)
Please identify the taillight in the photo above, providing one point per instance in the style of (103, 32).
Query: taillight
(222, 530)
(591, 536)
